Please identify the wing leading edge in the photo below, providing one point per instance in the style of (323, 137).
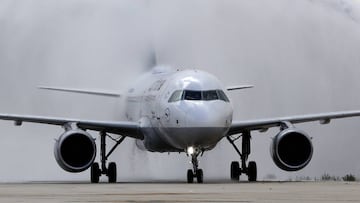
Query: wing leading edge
(132, 129)
(129, 129)
(82, 91)
(264, 124)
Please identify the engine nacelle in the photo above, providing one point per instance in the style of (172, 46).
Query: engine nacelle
(75, 150)
(291, 149)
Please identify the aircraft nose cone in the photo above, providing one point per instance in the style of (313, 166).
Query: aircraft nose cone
(211, 114)
(205, 123)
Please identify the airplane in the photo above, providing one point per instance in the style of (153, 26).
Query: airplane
(183, 111)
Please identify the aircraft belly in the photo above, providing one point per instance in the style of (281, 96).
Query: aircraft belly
(203, 137)
(155, 143)
(178, 139)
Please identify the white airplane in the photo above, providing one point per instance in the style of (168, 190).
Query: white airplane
(178, 111)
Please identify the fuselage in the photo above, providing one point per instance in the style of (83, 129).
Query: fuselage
(179, 109)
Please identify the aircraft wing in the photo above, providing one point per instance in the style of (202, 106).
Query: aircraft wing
(130, 129)
(82, 91)
(264, 124)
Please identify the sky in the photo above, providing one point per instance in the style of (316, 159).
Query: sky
(302, 57)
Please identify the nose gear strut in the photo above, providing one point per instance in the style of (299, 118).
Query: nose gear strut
(195, 172)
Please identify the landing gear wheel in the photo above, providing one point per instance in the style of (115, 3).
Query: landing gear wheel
(200, 176)
(111, 173)
(235, 171)
(190, 176)
(252, 171)
(95, 173)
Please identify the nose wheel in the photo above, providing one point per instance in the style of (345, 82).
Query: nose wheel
(199, 175)
(195, 172)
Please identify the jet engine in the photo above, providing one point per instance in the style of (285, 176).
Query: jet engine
(291, 149)
(75, 150)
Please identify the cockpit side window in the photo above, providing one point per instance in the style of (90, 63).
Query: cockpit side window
(176, 96)
(222, 96)
(192, 95)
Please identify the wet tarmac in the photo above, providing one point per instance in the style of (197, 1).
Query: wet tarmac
(182, 192)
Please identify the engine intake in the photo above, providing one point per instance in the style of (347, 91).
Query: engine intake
(291, 149)
(75, 150)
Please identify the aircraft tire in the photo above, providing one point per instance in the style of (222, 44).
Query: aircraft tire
(112, 172)
(190, 176)
(252, 171)
(235, 171)
(200, 176)
(95, 173)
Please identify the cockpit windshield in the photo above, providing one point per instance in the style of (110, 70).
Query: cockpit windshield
(208, 95)
(192, 95)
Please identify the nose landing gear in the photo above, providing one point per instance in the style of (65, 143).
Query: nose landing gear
(195, 172)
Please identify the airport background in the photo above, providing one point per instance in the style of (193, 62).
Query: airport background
(302, 57)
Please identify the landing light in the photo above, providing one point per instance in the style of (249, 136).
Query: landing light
(190, 150)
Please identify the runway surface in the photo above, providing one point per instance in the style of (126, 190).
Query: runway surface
(181, 192)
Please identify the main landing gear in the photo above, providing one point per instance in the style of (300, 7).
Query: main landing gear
(109, 171)
(195, 172)
(250, 170)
